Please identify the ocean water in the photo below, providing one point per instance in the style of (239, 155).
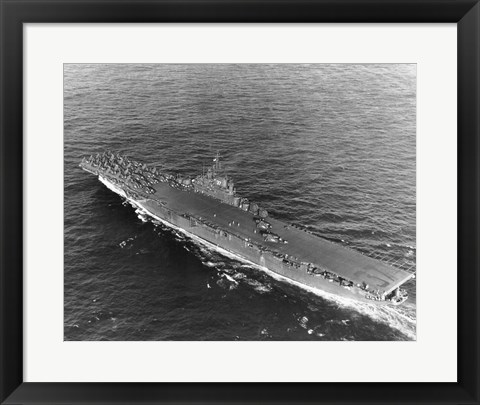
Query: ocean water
(328, 147)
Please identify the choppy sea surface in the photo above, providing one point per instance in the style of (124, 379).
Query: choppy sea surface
(327, 147)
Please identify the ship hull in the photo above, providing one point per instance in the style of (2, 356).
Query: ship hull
(239, 249)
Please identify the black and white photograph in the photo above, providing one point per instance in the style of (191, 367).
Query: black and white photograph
(239, 202)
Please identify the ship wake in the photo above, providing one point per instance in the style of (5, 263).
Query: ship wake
(401, 318)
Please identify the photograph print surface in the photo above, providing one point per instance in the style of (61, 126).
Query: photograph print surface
(239, 202)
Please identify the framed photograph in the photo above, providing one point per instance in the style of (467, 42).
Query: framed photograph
(239, 201)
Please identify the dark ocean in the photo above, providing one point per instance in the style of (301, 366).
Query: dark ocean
(327, 147)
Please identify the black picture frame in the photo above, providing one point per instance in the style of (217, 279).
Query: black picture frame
(14, 13)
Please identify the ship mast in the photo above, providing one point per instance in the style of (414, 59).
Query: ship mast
(216, 166)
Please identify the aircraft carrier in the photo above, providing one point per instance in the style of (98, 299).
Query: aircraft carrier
(209, 209)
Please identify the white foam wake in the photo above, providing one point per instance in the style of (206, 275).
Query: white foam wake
(382, 313)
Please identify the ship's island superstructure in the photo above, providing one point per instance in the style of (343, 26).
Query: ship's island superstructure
(209, 208)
